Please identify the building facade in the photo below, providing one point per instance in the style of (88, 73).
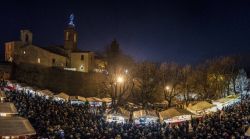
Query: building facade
(67, 56)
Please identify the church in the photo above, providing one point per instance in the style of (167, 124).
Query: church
(67, 56)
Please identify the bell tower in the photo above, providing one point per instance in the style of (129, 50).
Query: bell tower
(26, 36)
(70, 35)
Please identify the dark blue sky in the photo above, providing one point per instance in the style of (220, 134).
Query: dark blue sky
(187, 31)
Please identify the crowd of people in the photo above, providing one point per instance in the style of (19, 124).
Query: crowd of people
(61, 120)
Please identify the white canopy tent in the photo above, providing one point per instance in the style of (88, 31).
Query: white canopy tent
(145, 116)
(120, 116)
(7, 109)
(94, 101)
(2, 96)
(202, 107)
(77, 99)
(106, 100)
(62, 96)
(175, 115)
(227, 101)
(15, 127)
(248, 132)
(46, 93)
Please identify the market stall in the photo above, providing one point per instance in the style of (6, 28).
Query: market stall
(227, 101)
(18, 86)
(15, 127)
(61, 96)
(2, 96)
(202, 107)
(162, 104)
(45, 93)
(119, 116)
(9, 86)
(107, 100)
(77, 100)
(7, 109)
(94, 101)
(175, 115)
(248, 132)
(26, 89)
(145, 117)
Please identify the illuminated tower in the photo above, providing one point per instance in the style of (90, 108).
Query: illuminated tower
(70, 35)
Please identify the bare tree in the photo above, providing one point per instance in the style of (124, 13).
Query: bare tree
(201, 84)
(170, 77)
(119, 77)
(118, 85)
(187, 83)
(146, 81)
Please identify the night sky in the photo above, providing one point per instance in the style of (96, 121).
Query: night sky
(187, 31)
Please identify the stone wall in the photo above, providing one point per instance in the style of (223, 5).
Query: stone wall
(5, 70)
(35, 55)
(57, 80)
(86, 64)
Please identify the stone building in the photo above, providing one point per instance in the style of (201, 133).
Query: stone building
(68, 56)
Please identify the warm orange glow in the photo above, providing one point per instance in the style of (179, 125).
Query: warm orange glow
(167, 88)
(120, 79)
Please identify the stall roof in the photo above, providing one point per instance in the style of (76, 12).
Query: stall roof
(226, 99)
(107, 99)
(2, 94)
(248, 132)
(223, 100)
(47, 92)
(144, 113)
(8, 108)
(202, 105)
(124, 112)
(63, 96)
(93, 99)
(78, 98)
(15, 126)
(35, 88)
(23, 84)
(173, 112)
(120, 112)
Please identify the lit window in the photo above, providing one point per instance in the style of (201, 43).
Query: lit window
(3, 114)
(81, 67)
(67, 36)
(24, 52)
(38, 60)
(75, 38)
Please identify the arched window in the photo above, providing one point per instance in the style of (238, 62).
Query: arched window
(67, 36)
(26, 38)
(74, 37)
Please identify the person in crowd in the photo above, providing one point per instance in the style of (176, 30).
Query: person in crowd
(61, 120)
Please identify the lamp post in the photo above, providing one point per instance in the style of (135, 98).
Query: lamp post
(120, 81)
(166, 90)
(117, 87)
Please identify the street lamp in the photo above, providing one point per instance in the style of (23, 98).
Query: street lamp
(126, 71)
(167, 88)
(120, 79)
